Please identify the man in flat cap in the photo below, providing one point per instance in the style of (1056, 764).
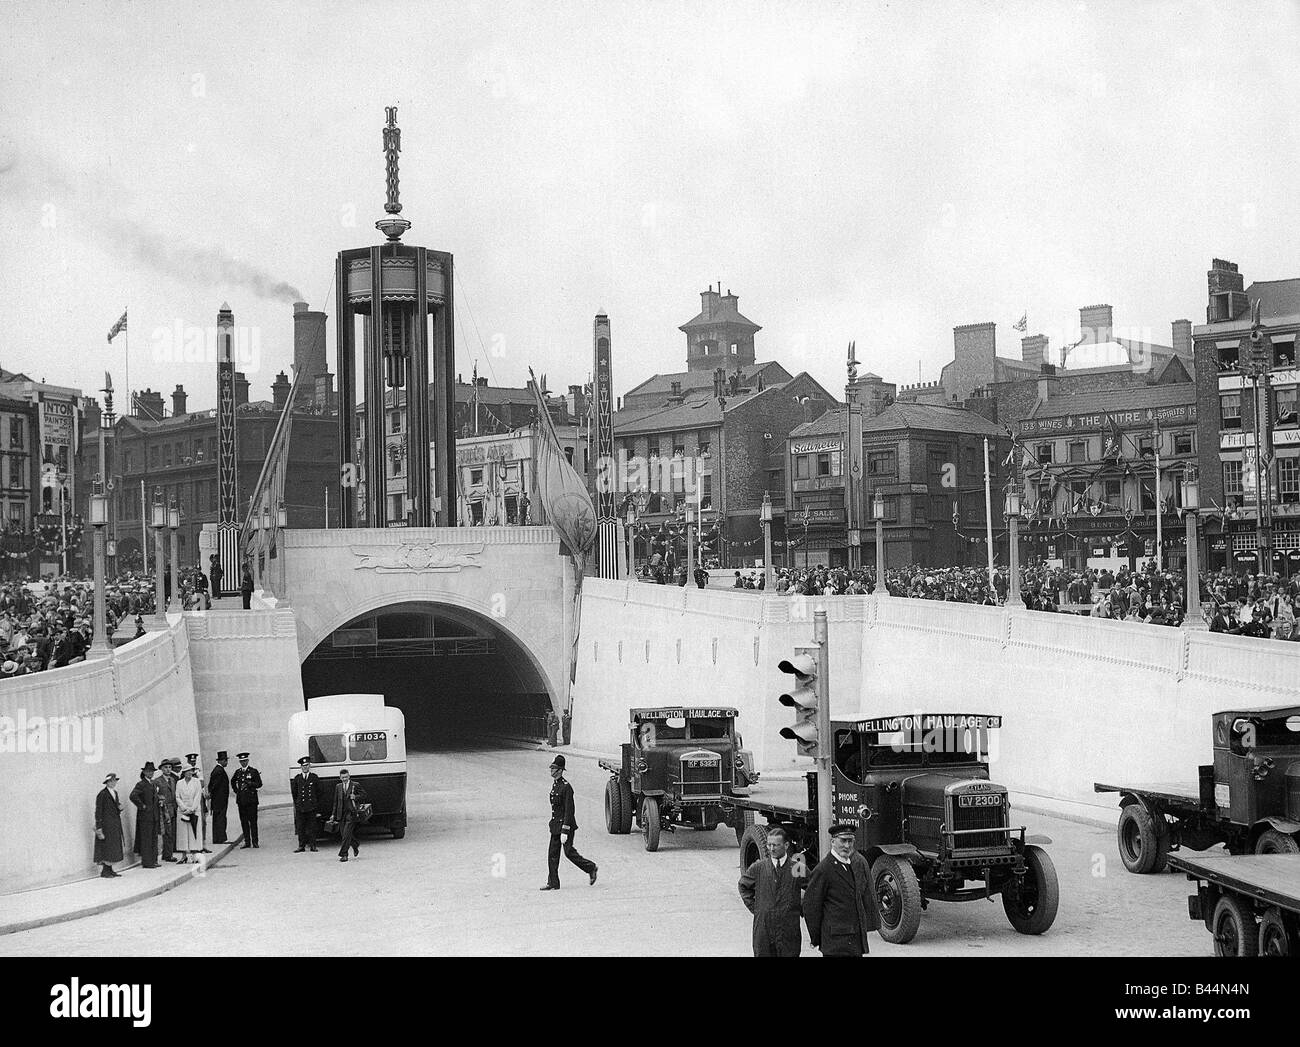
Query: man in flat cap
(219, 796)
(108, 827)
(246, 781)
(564, 823)
(305, 786)
(770, 890)
(167, 809)
(840, 904)
(144, 796)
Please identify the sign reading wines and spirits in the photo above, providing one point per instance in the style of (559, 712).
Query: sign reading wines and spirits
(1064, 425)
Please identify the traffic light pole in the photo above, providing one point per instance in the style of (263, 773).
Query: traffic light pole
(826, 744)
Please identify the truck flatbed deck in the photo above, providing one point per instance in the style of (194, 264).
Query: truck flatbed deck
(1273, 879)
(1169, 792)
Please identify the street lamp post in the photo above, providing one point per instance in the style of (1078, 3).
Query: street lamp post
(1193, 618)
(1013, 519)
(878, 512)
(281, 522)
(690, 546)
(99, 645)
(629, 521)
(159, 562)
(173, 523)
(268, 532)
(765, 521)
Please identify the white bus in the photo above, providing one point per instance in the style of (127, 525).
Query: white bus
(361, 733)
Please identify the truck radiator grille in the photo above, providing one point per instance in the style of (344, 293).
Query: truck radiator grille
(964, 818)
(701, 779)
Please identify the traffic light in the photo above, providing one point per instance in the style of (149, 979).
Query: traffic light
(805, 697)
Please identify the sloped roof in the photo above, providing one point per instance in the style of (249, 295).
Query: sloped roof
(699, 413)
(692, 380)
(725, 312)
(1134, 398)
(905, 415)
(1277, 297)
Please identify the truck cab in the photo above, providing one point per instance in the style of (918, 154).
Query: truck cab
(1257, 768)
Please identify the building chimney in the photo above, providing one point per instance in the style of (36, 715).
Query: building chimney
(280, 390)
(676, 395)
(1048, 384)
(1033, 349)
(308, 344)
(241, 389)
(178, 401)
(1182, 341)
(1227, 292)
(709, 303)
(324, 393)
(1095, 324)
(149, 406)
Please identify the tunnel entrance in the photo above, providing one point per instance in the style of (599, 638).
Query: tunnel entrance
(457, 676)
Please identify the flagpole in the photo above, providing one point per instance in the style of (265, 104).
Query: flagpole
(1160, 560)
(988, 509)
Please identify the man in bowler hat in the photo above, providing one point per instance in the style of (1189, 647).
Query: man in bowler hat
(145, 798)
(564, 823)
(840, 903)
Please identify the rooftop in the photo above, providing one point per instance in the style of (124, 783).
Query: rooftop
(906, 415)
(1112, 400)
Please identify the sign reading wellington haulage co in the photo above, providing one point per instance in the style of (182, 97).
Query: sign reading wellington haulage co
(1181, 414)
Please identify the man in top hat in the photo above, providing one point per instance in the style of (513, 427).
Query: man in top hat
(145, 798)
(770, 890)
(167, 808)
(219, 797)
(108, 827)
(563, 822)
(305, 786)
(246, 781)
(840, 904)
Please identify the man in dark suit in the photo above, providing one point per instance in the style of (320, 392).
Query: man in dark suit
(167, 810)
(347, 794)
(839, 904)
(563, 821)
(305, 786)
(145, 798)
(219, 797)
(770, 890)
(246, 781)
(216, 573)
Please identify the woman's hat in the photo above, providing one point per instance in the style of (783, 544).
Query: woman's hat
(110, 778)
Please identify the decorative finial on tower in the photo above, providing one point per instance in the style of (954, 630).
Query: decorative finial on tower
(393, 227)
(853, 362)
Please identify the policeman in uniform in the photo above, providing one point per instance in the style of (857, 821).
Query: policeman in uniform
(305, 786)
(563, 821)
(839, 904)
(246, 781)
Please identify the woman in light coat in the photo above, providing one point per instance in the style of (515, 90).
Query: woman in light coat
(189, 812)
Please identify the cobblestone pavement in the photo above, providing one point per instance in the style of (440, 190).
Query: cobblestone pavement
(465, 881)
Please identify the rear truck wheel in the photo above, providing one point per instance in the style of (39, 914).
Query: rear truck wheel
(1273, 841)
(1143, 842)
(613, 807)
(743, 822)
(1274, 938)
(1031, 908)
(753, 844)
(898, 897)
(629, 807)
(1234, 928)
(398, 827)
(650, 823)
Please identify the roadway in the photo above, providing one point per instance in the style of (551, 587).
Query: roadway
(465, 881)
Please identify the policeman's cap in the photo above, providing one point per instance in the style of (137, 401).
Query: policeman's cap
(303, 759)
(241, 756)
(844, 829)
(558, 762)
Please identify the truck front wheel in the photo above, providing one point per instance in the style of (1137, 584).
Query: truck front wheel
(1234, 928)
(1031, 907)
(629, 807)
(744, 820)
(753, 845)
(613, 807)
(650, 823)
(1271, 841)
(1143, 841)
(898, 898)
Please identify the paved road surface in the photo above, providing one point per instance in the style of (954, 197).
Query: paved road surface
(465, 881)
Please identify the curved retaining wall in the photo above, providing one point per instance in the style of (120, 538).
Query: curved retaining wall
(115, 715)
(1083, 699)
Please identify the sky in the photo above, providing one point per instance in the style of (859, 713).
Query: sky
(853, 171)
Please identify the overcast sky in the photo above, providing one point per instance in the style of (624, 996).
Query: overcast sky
(878, 172)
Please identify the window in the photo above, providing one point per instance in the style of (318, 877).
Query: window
(512, 509)
(476, 513)
(476, 475)
(823, 465)
(1146, 446)
(935, 461)
(970, 461)
(1288, 479)
(1228, 359)
(16, 430)
(1146, 495)
(568, 455)
(654, 447)
(1230, 410)
(1078, 495)
(1286, 405)
(1043, 452)
(1113, 488)
(1284, 354)
(679, 450)
(1232, 479)
(326, 748)
(395, 421)
(167, 455)
(63, 460)
(1182, 443)
(16, 513)
(368, 745)
(702, 445)
(1078, 451)
(919, 514)
(891, 508)
(882, 463)
(802, 467)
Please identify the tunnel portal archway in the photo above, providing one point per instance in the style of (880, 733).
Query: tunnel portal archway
(458, 676)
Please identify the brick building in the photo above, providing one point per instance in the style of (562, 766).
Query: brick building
(1232, 409)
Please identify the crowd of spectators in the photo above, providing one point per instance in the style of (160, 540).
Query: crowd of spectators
(1231, 602)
